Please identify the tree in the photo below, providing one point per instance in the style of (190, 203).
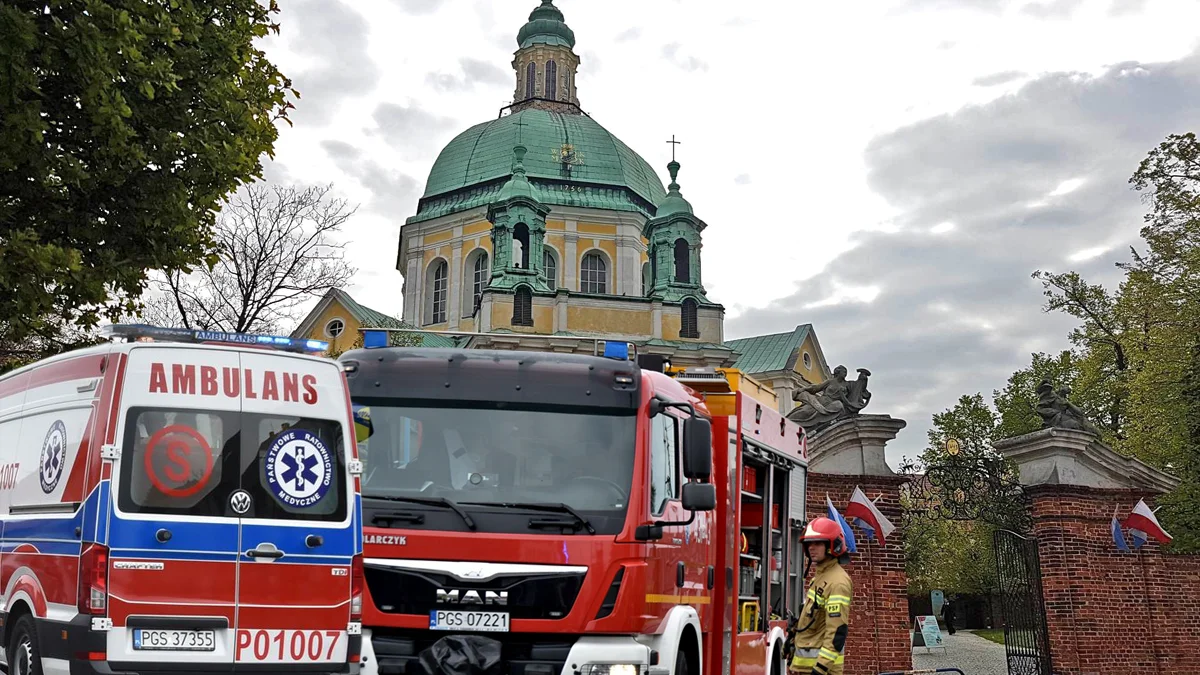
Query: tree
(1136, 354)
(123, 124)
(275, 250)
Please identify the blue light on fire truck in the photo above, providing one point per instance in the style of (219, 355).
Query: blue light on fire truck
(373, 339)
(616, 350)
(148, 333)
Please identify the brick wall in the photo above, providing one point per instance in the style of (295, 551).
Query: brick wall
(1108, 611)
(879, 637)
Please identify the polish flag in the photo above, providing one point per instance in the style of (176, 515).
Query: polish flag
(869, 517)
(1140, 521)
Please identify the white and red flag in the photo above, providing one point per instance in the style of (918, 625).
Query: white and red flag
(1142, 524)
(868, 516)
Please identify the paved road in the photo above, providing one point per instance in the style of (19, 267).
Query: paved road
(965, 651)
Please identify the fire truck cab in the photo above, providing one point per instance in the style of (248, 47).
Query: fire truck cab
(569, 514)
(182, 502)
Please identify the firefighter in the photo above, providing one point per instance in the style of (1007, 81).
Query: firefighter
(825, 621)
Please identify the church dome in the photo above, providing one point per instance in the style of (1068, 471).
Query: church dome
(546, 26)
(571, 161)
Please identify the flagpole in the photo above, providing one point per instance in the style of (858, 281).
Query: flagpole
(1149, 606)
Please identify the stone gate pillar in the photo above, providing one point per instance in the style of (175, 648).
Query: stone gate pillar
(1101, 614)
(846, 454)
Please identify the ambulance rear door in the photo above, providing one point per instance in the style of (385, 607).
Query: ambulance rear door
(173, 535)
(297, 507)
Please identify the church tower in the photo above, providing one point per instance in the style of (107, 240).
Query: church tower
(518, 229)
(674, 236)
(546, 63)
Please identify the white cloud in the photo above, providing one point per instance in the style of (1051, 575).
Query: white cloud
(797, 96)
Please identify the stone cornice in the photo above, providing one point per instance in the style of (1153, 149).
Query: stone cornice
(854, 446)
(1068, 457)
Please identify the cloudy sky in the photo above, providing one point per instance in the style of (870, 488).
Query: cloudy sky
(889, 171)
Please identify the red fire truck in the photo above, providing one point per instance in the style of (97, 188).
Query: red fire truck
(572, 514)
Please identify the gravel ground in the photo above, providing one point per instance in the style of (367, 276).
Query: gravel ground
(969, 653)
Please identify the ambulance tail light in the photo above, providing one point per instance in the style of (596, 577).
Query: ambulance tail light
(357, 583)
(93, 579)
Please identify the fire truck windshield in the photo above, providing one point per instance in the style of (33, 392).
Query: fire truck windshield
(499, 456)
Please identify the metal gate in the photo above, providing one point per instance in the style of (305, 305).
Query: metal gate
(1019, 575)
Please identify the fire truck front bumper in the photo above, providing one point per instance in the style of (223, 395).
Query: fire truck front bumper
(399, 654)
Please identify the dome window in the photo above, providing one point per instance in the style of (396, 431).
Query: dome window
(682, 261)
(530, 79)
(334, 328)
(593, 274)
(523, 307)
(689, 321)
(551, 80)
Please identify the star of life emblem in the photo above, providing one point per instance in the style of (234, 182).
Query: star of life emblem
(299, 468)
(54, 457)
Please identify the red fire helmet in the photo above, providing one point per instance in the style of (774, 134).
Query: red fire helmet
(824, 529)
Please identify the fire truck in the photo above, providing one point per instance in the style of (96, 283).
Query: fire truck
(574, 514)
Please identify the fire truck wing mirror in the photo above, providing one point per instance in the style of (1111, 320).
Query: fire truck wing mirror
(699, 496)
(697, 449)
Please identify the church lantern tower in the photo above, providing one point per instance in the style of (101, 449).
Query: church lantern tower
(545, 63)
(518, 232)
(674, 236)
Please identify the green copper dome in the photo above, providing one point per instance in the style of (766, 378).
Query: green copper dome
(546, 26)
(571, 161)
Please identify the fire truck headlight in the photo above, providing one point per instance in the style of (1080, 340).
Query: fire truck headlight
(612, 669)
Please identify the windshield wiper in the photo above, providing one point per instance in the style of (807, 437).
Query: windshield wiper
(544, 506)
(431, 501)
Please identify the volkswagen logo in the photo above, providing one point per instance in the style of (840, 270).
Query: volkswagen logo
(240, 502)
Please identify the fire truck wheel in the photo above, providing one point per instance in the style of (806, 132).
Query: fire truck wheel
(681, 663)
(23, 655)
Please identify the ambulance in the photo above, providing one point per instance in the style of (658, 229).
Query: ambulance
(179, 501)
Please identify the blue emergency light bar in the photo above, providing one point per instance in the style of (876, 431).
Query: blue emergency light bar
(377, 338)
(147, 333)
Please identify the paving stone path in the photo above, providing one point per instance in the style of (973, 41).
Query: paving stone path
(968, 652)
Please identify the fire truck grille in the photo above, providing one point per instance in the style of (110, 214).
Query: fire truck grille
(398, 652)
(396, 591)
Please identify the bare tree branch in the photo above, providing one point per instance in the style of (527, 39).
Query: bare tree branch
(275, 249)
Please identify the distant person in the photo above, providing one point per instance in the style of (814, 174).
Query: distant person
(948, 611)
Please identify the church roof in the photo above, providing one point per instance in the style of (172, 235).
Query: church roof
(767, 353)
(365, 316)
(603, 173)
(547, 27)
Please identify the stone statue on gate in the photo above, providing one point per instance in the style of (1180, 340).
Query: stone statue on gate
(820, 405)
(1058, 412)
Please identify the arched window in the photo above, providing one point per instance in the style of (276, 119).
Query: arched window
(683, 255)
(550, 267)
(689, 322)
(593, 274)
(479, 280)
(439, 293)
(523, 307)
(551, 91)
(521, 246)
(530, 79)
(647, 280)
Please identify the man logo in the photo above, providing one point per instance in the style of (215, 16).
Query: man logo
(456, 597)
(240, 502)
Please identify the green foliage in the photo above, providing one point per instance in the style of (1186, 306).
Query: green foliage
(955, 556)
(123, 124)
(1135, 366)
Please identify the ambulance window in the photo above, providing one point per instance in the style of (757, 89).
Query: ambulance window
(294, 468)
(175, 461)
(664, 459)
